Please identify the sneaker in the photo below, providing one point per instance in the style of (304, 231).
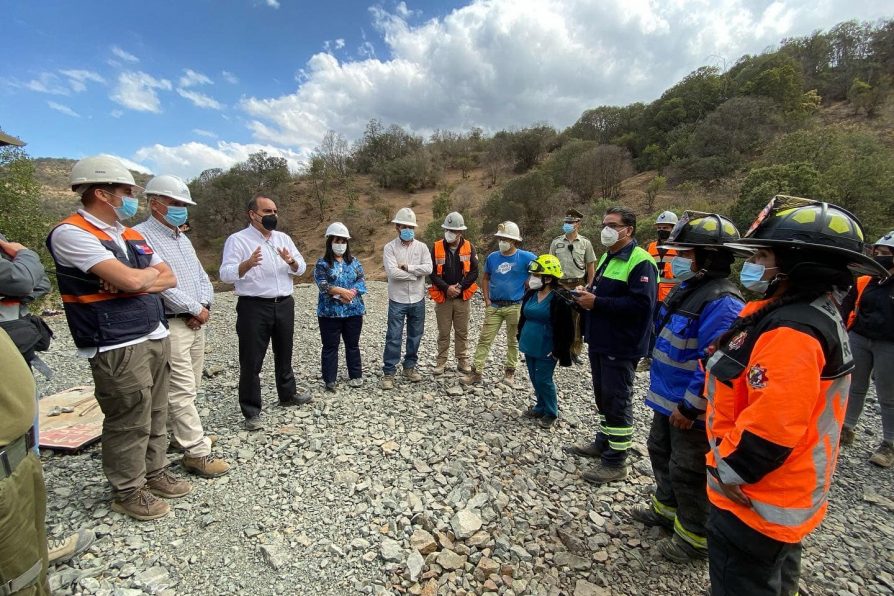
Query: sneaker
(61, 550)
(547, 421)
(884, 455)
(677, 550)
(164, 484)
(473, 378)
(412, 375)
(603, 474)
(388, 382)
(589, 450)
(252, 424)
(438, 370)
(141, 505)
(206, 466)
(509, 376)
(356, 383)
(330, 386)
(646, 514)
(847, 436)
(532, 413)
(299, 399)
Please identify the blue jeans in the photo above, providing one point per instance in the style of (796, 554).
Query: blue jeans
(541, 372)
(414, 314)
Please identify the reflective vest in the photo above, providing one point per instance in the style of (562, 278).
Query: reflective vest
(465, 257)
(862, 282)
(777, 394)
(663, 258)
(96, 318)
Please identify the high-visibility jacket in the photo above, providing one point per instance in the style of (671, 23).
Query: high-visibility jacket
(873, 315)
(862, 282)
(96, 318)
(465, 257)
(666, 280)
(777, 393)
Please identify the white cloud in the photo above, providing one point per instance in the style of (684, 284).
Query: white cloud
(46, 82)
(78, 79)
(505, 63)
(191, 159)
(204, 133)
(334, 45)
(63, 109)
(126, 56)
(192, 78)
(200, 100)
(272, 3)
(137, 91)
(229, 77)
(131, 165)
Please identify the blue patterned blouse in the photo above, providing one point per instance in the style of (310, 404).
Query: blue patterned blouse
(340, 275)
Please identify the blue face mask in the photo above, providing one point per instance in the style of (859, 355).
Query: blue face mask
(127, 209)
(751, 277)
(407, 234)
(568, 228)
(682, 268)
(176, 216)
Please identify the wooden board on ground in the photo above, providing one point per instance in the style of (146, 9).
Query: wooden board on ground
(70, 431)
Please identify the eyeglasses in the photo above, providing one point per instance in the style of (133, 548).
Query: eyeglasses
(615, 226)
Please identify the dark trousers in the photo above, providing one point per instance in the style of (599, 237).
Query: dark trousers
(332, 331)
(613, 389)
(678, 462)
(257, 322)
(744, 561)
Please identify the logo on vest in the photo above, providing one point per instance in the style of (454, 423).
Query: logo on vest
(738, 340)
(143, 249)
(757, 377)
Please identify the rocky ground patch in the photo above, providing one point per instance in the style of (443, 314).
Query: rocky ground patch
(426, 489)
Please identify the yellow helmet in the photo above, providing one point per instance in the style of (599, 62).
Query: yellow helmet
(546, 265)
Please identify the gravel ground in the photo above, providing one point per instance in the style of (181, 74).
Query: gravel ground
(427, 489)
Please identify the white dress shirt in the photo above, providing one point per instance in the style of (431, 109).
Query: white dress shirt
(74, 247)
(272, 277)
(406, 287)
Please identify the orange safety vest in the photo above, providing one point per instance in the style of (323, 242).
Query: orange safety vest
(791, 394)
(465, 257)
(862, 282)
(666, 281)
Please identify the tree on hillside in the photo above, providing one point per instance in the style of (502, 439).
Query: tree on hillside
(524, 200)
(21, 218)
(799, 179)
(655, 186)
(530, 144)
(774, 75)
(380, 145)
(497, 158)
(599, 170)
(866, 97)
(335, 154)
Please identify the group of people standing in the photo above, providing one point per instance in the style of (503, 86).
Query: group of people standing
(750, 400)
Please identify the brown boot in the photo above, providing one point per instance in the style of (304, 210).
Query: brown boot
(142, 505)
(509, 376)
(464, 367)
(473, 378)
(412, 375)
(62, 550)
(439, 369)
(206, 467)
(164, 484)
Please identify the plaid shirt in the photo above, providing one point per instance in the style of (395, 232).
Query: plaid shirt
(193, 289)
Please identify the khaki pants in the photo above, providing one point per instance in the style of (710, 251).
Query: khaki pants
(453, 314)
(23, 534)
(132, 391)
(187, 361)
(494, 317)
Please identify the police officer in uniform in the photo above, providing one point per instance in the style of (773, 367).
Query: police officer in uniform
(578, 261)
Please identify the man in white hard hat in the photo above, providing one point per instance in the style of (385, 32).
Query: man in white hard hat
(187, 308)
(503, 287)
(110, 279)
(407, 262)
(262, 263)
(664, 224)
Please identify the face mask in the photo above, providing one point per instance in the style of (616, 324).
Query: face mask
(886, 261)
(663, 235)
(568, 228)
(339, 249)
(176, 216)
(504, 246)
(609, 237)
(682, 268)
(535, 283)
(127, 209)
(407, 234)
(450, 237)
(751, 277)
(268, 222)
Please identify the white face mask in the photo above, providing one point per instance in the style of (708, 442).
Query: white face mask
(505, 246)
(535, 283)
(450, 237)
(339, 249)
(609, 236)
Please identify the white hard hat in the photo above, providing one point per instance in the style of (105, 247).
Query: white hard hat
(886, 240)
(339, 229)
(171, 187)
(100, 169)
(405, 217)
(508, 229)
(668, 217)
(454, 221)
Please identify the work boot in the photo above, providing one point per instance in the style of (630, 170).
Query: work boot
(847, 436)
(164, 484)
(532, 413)
(206, 466)
(547, 421)
(356, 383)
(439, 369)
(884, 455)
(473, 378)
(603, 474)
(677, 550)
(62, 550)
(412, 375)
(388, 382)
(464, 367)
(509, 376)
(299, 399)
(331, 386)
(141, 505)
(589, 450)
(253, 424)
(647, 515)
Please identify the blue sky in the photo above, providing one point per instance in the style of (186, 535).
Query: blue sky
(181, 86)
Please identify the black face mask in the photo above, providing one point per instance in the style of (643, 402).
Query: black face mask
(886, 261)
(663, 235)
(269, 222)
